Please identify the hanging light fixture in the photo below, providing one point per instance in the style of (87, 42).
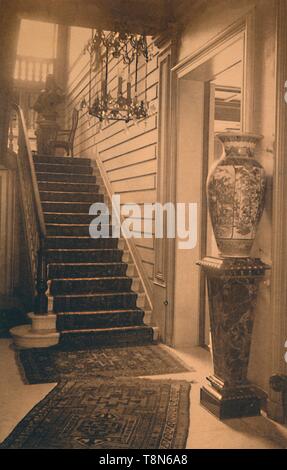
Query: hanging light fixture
(126, 48)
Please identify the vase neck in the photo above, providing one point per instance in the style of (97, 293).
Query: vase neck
(239, 145)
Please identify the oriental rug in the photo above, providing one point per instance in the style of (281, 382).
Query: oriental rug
(56, 363)
(107, 414)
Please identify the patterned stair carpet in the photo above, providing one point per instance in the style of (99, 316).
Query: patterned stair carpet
(107, 414)
(57, 363)
(92, 294)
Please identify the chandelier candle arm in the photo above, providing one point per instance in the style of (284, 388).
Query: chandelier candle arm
(129, 92)
(120, 86)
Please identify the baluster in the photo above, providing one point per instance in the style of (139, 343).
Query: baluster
(51, 68)
(37, 71)
(16, 70)
(33, 71)
(26, 71)
(22, 68)
(41, 300)
(41, 71)
(45, 70)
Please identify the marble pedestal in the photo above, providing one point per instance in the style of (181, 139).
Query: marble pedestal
(232, 291)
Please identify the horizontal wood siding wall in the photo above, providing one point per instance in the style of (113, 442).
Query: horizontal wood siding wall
(128, 151)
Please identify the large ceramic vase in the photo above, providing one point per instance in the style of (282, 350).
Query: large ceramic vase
(235, 193)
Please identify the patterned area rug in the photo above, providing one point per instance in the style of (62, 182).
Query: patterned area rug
(107, 414)
(56, 364)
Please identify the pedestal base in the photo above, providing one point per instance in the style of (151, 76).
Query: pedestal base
(244, 404)
(232, 291)
(41, 334)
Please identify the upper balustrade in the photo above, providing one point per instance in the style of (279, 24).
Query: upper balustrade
(33, 70)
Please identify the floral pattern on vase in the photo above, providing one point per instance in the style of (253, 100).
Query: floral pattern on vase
(235, 192)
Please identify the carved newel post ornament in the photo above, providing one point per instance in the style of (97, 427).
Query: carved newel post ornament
(46, 106)
(235, 194)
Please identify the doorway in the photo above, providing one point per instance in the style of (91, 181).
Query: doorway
(224, 113)
(210, 97)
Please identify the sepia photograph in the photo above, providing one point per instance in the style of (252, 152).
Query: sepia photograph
(143, 228)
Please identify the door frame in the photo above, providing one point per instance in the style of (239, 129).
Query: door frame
(244, 26)
(279, 233)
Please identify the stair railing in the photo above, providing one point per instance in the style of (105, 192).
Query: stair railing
(33, 217)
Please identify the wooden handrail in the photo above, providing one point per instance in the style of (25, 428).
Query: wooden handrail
(40, 215)
(33, 216)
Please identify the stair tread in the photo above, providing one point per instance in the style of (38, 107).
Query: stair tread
(96, 294)
(101, 278)
(68, 192)
(100, 312)
(71, 225)
(73, 160)
(65, 173)
(83, 249)
(68, 213)
(115, 328)
(67, 202)
(73, 237)
(65, 182)
(70, 236)
(64, 164)
(112, 263)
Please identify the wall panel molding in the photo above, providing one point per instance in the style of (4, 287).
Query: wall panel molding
(279, 238)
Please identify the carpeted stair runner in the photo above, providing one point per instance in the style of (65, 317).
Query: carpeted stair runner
(91, 292)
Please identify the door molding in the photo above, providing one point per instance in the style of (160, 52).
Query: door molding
(244, 26)
(279, 236)
(166, 187)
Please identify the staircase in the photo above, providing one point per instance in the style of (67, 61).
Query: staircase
(90, 290)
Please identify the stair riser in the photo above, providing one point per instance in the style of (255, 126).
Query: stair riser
(68, 187)
(62, 160)
(66, 178)
(72, 219)
(89, 287)
(97, 339)
(103, 302)
(92, 321)
(70, 207)
(100, 256)
(58, 272)
(53, 168)
(82, 243)
(71, 230)
(68, 196)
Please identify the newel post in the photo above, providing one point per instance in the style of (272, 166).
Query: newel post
(41, 299)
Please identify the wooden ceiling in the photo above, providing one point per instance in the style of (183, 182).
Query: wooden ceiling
(148, 16)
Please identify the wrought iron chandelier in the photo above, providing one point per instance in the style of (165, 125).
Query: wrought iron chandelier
(126, 48)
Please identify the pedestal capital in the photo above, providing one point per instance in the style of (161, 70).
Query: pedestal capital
(233, 267)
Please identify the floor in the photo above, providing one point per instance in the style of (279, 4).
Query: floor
(206, 432)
